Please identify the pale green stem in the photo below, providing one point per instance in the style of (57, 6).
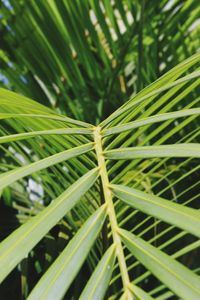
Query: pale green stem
(111, 212)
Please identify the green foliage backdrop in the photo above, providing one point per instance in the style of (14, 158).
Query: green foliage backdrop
(72, 54)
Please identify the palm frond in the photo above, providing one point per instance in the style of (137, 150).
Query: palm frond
(124, 191)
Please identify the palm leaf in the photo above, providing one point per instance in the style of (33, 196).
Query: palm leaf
(178, 278)
(20, 242)
(53, 283)
(138, 174)
(100, 279)
(183, 217)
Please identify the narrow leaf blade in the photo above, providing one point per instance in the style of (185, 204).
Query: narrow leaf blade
(59, 276)
(184, 217)
(176, 276)
(177, 150)
(14, 248)
(99, 281)
(11, 176)
(60, 131)
(151, 120)
(139, 293)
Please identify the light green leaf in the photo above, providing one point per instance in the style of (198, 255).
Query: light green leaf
(137, 100)
(60, 131)
(91, 52)
(184, 217)
(150, 120)
(100, 279)
(10, 100)
(177, 277)
(177, 150)
(59, 276)
(4, 116)
(14, 248)
(139, 293)
(11, 176)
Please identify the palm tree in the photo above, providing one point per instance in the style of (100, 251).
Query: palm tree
(107, 209)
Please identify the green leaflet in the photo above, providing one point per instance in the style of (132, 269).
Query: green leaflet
(4, 116)
(100, 279)
(17, 245)
(176, 276)
(150, 120)
(170, 212)
(11, 176)
(10, 101)
(59, 276)
(60, 131)
(139, 293)
(137, 99)
(176, 150)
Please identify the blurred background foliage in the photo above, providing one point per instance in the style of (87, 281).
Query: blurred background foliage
(85, 58)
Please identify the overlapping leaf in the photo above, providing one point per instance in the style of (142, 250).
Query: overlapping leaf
(147, 152)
